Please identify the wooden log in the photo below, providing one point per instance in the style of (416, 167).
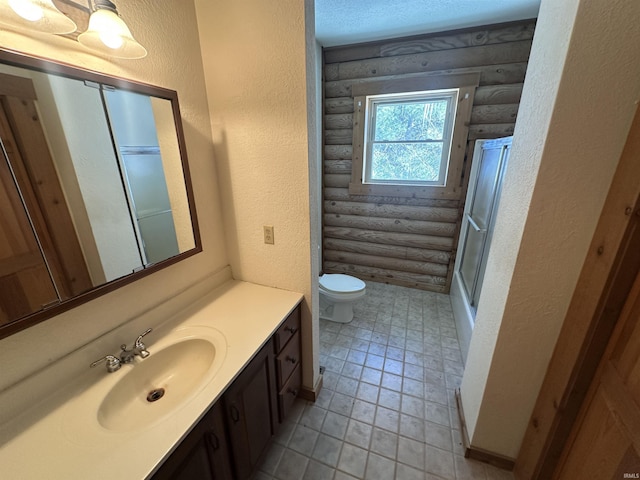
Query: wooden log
(337, 166)
(365, 260)
(339, 105)
(487, 36)
(503, 74)
(406, 212)
(338, 121)
(414, 280)
(432, 42)
(338, 137)
(389, 251)
(330, 71)
(444, 244)
(494, 113)
(336, 180)
(437, 229)
(342, 194)
(513, 52)
(496, 94)
(338, 152)
(491, 130)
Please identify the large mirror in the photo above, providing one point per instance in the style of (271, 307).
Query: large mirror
(94, 187)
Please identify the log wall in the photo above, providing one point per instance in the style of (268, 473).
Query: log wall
(411, 241)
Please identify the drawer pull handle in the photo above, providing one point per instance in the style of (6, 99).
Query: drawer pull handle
(293, 392)
(291, 359)
(291, 330)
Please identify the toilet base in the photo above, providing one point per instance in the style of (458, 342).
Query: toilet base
(336, 312)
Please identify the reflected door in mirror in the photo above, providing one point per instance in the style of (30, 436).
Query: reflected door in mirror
(41, 263)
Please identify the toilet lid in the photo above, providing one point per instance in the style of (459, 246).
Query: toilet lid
(339, 283)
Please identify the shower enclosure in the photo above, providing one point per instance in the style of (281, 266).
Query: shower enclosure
(489, 162)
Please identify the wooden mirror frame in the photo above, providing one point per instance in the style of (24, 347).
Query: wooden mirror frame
(43, 65)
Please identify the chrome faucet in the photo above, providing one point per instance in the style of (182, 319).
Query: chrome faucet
(139, 348)
(126, 356)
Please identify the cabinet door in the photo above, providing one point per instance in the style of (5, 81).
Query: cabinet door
(203, 454)
(250, 406)
(217, 445)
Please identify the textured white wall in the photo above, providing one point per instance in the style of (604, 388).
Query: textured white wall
(168, 31)
(577, 105)
(254, 59)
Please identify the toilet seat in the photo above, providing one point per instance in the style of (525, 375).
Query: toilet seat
(341, 284)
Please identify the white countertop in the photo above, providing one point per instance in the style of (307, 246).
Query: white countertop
(61, 438)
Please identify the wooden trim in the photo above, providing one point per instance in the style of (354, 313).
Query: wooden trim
(478, 453)
(357, 161)
(311, 394)
(612, 263)
(616, 395)
(452, 189)
(416, 84)
(610, 388)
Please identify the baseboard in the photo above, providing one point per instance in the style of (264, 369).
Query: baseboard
(478, 453)
(311, 394)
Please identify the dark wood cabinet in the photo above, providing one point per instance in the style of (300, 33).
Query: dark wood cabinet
(251, 414)
(230, 440)
(288, 357)
(203, 454)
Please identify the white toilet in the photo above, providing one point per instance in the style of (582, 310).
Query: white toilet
(338, 293)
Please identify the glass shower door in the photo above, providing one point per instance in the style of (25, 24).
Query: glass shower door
(478, 218)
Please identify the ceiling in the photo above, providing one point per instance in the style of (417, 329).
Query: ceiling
(343, 22)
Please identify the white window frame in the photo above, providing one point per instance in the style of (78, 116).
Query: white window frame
(465, 84)
(373, 101)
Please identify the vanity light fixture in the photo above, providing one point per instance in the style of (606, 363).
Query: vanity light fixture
(108, 34)
(40, 15)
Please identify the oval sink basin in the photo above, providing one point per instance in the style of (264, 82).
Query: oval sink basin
(160, 383)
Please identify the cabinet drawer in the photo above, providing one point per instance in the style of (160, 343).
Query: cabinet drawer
(289, 392)
(288, 328)
(288, 360)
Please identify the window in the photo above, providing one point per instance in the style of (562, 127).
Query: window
(410, 136)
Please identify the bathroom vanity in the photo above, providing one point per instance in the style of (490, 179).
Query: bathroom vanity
(232, 436)
(230, 364)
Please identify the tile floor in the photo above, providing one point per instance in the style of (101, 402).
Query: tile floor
(387, 409)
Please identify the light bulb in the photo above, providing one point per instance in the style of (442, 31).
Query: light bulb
(36, 15)
(111, 40)
(109, 34)
(27, 10)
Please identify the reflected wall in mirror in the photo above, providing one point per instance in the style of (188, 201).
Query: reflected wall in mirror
(94, 187)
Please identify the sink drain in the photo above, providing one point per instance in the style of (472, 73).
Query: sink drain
(155, 394)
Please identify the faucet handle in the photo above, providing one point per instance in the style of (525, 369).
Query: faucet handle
(138, 341)
(139, 346)
(113, 363)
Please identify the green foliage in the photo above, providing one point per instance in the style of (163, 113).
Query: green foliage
(408, 140)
